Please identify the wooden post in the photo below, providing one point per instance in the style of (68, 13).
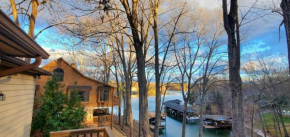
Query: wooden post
(112, 109)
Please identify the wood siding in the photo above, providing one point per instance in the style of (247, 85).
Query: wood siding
(16, 110)
(73, 78)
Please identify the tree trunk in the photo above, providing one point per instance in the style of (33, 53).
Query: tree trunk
(263, 126)
(282, 121)
(285, 6)
(15, 13)
(128, 116)
(124, 110)
(275, 127)
(252, 120)
(143, 101)
(119, 95)
(277, 121)
(128, 98)
(132, 16)
(129, 120)
(157, 74)
(32, 20)
(263, 117)
(184, 119)
(119, 115)
(201, 115)
(231, 24)
(125, 115)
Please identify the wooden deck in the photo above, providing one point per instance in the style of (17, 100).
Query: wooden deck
(162, 124)
(218, 126)
(209, 126)
(152, 115)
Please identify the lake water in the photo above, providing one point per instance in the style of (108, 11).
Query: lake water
(174, 126)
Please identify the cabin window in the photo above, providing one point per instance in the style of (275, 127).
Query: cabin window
(84, 95)
(104, 96)
(58, 73)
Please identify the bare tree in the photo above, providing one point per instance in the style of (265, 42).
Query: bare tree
(285, 6)
(209, 37)
(29, 10)
(232, 27)
(139, 34)
(155, 5)
(268, 75)
(159, 68)
(187, 55)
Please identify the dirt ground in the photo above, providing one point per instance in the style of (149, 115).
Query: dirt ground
(126, 129)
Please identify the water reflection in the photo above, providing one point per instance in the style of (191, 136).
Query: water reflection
(174, 126)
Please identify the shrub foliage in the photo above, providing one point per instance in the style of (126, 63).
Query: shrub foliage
(58, 111)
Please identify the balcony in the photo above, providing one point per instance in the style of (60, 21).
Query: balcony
(85, 132)
(116, 101)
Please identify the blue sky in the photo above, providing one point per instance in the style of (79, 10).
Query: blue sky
(262, 35)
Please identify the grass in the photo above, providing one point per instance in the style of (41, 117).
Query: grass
(270, 124)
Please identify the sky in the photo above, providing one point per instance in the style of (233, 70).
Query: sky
(261, 35)
(264, 31)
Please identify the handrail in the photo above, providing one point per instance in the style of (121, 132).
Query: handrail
(104, 131)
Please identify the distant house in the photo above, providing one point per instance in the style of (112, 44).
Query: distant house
(97, 97)
(17, 78)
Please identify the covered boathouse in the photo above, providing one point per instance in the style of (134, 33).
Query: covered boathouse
(217, 121)
(174, 108)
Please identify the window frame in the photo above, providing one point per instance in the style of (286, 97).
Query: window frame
(59, 74)
(78, 90)
(101, 96)
(100, 90)
(88, 95)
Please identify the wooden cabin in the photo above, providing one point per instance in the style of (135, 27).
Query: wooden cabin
(17, 78)
(97, 97)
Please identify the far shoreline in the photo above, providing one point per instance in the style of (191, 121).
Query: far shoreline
(152, 95)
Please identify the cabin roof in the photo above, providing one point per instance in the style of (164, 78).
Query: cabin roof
(12, 62)
(15, 42)
(216, 117)
(178, 107)
(177, 101)
(76, 70)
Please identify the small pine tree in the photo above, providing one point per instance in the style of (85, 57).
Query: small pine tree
(57, 111)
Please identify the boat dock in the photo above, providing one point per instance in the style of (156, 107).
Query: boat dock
(174, 108)
(216, 121)
(162, 124)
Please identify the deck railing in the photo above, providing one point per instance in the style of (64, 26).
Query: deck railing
(116, 101)
(85, 132)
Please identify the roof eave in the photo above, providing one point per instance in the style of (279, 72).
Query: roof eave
(17, 62)
(18, 34)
